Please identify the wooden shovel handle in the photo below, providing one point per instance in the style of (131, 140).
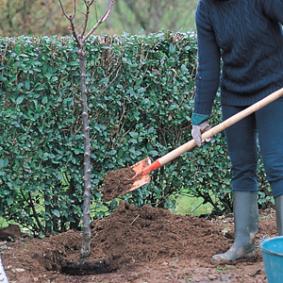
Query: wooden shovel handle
(213, 131)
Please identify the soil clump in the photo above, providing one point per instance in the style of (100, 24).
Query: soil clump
(117, 183)
(10, 233)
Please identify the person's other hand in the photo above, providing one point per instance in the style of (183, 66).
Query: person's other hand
(197, 131)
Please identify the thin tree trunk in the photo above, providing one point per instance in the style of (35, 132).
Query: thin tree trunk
(80, 39)
(85, 251)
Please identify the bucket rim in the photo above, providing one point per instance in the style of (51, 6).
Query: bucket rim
(268, 251)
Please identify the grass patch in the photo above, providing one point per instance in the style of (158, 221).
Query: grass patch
(188, 205)
(3, 223)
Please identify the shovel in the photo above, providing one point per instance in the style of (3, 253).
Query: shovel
(140, 172)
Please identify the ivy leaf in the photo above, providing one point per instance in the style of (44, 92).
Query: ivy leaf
(20, 99)
(4, 163)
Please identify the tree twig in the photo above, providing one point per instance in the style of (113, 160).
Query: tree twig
(135, 219)
(70, 18)
(87, 6)
(63, 10)
(101, 20)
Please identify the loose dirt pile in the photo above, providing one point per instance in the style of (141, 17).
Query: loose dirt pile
(117, 182)
(135, 235)
(129, 242)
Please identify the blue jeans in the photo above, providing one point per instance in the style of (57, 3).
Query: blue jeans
(265, 127)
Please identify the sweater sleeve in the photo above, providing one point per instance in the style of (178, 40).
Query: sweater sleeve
(273, 9)
(208, 70)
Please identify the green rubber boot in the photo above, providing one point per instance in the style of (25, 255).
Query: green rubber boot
(246, 226)
(279, 214)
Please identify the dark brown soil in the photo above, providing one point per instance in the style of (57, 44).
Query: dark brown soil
(87, 268)
(117, 182)
(10, 233)
(138, 245)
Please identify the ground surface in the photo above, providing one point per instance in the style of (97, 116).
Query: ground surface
(143, 245)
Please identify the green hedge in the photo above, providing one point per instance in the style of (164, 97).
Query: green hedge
(140, 97)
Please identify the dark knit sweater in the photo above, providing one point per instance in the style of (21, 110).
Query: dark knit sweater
(247, 35)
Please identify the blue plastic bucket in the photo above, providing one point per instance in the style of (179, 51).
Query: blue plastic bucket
(272, 253)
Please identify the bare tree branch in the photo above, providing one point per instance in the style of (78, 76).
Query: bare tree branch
(74, 32)
(101, 20)
(63, 10)
(87, 5)
(70, 18)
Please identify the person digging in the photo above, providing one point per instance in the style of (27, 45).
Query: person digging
(246, 35)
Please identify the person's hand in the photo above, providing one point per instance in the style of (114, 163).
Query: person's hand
(197, 131)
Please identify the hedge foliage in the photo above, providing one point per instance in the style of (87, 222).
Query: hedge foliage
(140, 97)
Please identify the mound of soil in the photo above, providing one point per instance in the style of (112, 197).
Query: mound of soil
(135, 235)
(129, 242)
